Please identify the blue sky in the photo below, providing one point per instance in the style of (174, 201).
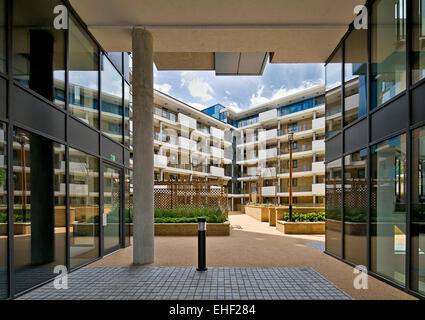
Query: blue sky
(202, 89)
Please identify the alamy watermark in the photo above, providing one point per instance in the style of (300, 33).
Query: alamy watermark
(361, 20)
(61, 280)
(360, 281)
(61, 20)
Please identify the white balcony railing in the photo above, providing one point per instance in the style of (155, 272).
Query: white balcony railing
(268, 191)
(318, 145)
(217, 153)
(267, 153)
(267, 115)
(217, 171)
(186, 121)
(318, 124)
(217, 133)
(159, 161)
(187, 144)
(318, 166)
(318, 188)
(267, 135)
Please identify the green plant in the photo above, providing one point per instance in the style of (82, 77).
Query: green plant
(306, 217)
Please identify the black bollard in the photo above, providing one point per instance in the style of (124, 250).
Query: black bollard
(202, 230)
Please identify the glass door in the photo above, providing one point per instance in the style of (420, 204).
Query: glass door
(111, 208)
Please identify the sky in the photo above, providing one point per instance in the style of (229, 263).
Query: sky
(202, 89)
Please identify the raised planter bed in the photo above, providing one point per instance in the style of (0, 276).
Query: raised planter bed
(272, 216)
(189, 229)
(259, 213)
(300, 227)
(18, 227)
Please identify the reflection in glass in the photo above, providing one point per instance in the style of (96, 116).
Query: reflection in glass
(128, 204)
(3, 212)
(2, 37)
(333, 193)
(355, 206)
(112, 111)
(418, 40)
(333, 94)
(84, 207)
(355, 71)
(388, 50)
(111, 207)
(388, 228)
(83, 75)
(39, 49)
(39, 211)
(128, 110)
(418, 209)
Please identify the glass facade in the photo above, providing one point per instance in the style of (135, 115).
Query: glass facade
(83, 75)
(3, 213)
(39, 49)
(418, 38)
(418, 210)
(111, 207)
(112, 101)
(83, 207)
(51, 206)
(388, 50)
(333, 200)
(333, 79)
(39, 209)
(355, 207)
(3, 36)
(355, 76)
(388, 220)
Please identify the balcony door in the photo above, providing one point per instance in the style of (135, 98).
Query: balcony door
(112, 212)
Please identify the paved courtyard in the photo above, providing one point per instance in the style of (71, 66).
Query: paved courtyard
(185, 283)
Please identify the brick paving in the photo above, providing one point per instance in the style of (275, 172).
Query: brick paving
(185, 283)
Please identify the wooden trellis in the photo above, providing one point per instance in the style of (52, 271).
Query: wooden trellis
(190, 194)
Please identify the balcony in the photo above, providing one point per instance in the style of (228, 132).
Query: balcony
(267, 153)
(318, 166)
(318, 145)
(162, 113)
(297, 188)
(186, 143)
(217, 133)
(300, 128)
(268, 115)
(268, 191)
(186, 121)
(300, 148)
(217, 153)
(318, 124)
(267, 135)
(299, 168)
(217, 171)
(159, 161)
(318, 189)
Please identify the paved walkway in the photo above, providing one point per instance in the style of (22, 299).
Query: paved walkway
(185, 283)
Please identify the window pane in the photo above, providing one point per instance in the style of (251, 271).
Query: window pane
(3, 212)
(418, 208)
(39, 49)
(355, 71)
(84, 207)
(388, 50)
(389, 208)
(83, 75)
(333, 95)
(333, 206)
(418, 40)
(111, 100)
(3, 36)
(39, 208)
(128, 204)
(355, 205)
(128, 110)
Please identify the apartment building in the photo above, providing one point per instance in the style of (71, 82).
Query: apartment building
(262, 149)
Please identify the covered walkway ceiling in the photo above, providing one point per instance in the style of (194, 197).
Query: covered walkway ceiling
(187, 33)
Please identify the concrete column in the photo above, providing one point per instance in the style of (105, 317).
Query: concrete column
(143, 166)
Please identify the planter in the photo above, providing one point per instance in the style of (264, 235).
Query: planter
(258, 213)
(301, 227)
(272, 216)
(18, 227)
(189, 229)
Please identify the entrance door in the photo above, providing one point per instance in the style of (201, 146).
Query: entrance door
(111, 208)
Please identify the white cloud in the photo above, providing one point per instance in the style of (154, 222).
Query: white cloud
(257, 98)
(165, 87)
(199, 88)
(228, 92)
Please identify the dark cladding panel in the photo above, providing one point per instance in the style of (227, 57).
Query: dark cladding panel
(83, 137)
(418, 104)
(390, 118)
(333, 148)
(355, 137)
(35, 113)
(116, 59)
(126, 71)
(3, 101)
(126, 157)
(112, 151)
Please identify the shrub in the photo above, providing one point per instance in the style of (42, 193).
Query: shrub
(180, 215)
(306, 217)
